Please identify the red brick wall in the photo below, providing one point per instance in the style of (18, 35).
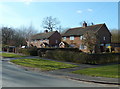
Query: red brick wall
(76, 41)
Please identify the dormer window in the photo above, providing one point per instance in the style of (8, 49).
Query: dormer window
(71, 37)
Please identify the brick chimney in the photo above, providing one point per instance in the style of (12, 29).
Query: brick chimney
(84, 24)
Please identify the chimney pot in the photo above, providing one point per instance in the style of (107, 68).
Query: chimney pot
(46, 31)
(84, 24)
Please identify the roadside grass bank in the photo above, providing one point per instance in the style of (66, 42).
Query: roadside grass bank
(44, 65)
(11, 55)
(110, 71)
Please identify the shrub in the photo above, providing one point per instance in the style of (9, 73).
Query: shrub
(43, 51)
(5, 47)
(24, 51)
(32, 51)
(64, 55)
(77, 57)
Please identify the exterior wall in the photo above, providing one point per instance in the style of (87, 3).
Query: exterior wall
(51, 41)
(104, 32)
(75, 42)
(55, 39)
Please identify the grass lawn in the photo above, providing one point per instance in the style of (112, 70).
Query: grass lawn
(11, 55)
(42, 64)
(110, 71)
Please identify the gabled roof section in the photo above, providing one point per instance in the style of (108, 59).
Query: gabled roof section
(43, 35)
(81, 30)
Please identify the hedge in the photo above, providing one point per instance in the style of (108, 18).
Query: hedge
(32, 51)
(77, 57)
(42, 51)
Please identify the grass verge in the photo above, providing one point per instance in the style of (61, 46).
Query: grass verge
(10, 55)
(44, 65)
(110, 71)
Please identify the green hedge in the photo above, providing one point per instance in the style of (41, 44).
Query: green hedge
(63, 49)
(78, 57)
(43, 51)
(32, 51)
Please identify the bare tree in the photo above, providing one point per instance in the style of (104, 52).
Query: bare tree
(50, 23)
(115, 35)
(0, 37)
(17, 37)
(12, 37)
(27, 32)
(7, 35)
(89, 40)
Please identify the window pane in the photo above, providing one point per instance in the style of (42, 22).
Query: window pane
(81, 46)
(104, 38)
(71, 37)
(64, 38)
(81, 37)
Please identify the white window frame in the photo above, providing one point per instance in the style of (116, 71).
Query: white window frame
(85, 47)
(101, 44)
(81, 37)
(56, 41)
(72, 37)
(104, 38)
(82, 46)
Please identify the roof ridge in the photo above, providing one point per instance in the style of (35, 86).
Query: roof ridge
(82, 30)
(84, 27)
(44, 33)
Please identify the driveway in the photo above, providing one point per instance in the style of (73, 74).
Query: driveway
(14, 76)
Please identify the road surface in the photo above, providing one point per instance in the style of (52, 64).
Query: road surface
(14, 76)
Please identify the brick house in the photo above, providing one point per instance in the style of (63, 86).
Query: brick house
(74, 36)
(50, 39)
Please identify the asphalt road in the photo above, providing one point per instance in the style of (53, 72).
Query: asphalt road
(14, 76)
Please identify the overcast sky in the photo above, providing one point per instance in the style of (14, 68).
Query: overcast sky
(70, 14)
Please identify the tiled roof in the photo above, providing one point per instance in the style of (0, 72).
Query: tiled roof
(43, 35)
(81, 30)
